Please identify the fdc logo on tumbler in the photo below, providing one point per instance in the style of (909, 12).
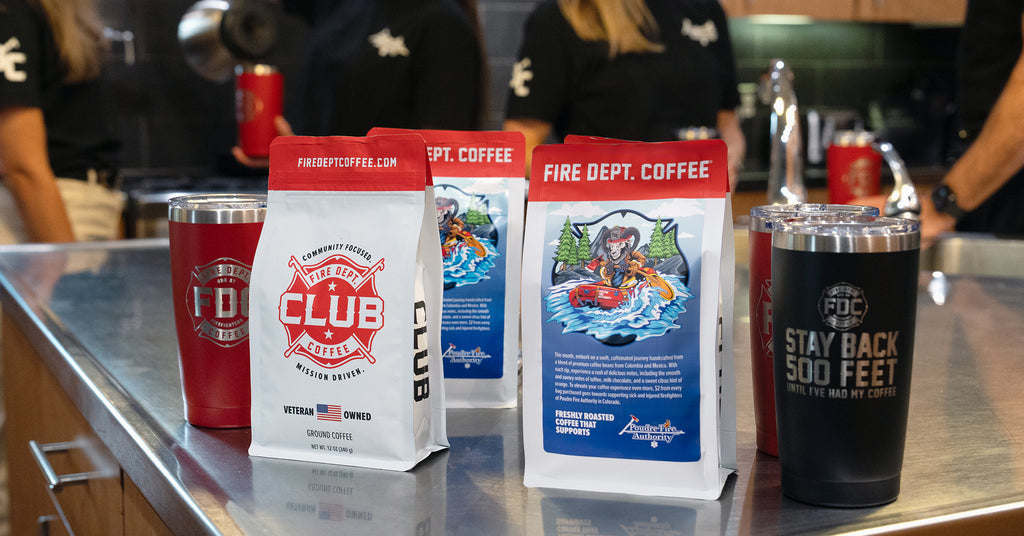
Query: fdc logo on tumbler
(218, 297)
(842, 306)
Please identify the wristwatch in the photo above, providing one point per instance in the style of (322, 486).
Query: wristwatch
(944, 199)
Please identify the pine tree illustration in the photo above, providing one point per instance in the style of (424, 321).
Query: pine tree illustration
(583, 247)
(659, 248)
(566, 251)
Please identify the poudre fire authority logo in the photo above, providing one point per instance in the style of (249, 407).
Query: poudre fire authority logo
(332, 311)
(656, 434)
(842, 306)
(218, 297)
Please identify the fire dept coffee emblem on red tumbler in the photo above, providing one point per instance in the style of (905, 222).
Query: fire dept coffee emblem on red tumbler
(213, 239)
(259, 91)
(854, 167)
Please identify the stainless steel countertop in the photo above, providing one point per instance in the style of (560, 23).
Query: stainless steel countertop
(100, 315)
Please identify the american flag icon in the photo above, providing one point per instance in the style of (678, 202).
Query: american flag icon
(328, 412)
(331, 512)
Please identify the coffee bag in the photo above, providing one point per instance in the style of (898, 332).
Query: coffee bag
(627, 319)
(346, 305)
(479, 196)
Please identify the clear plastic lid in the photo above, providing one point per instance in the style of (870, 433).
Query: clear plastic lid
(846, 233)
(217, 208)
(763, 217)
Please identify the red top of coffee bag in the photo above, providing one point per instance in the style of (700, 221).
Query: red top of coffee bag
(629, 171)
(456, 153)
(343, 163)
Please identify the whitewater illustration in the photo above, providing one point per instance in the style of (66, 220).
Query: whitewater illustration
(469, 238)
(619, 278)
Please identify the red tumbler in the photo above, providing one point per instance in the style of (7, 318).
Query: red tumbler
(762, 221)
(213, 240)
(854, 167)
(259, 91)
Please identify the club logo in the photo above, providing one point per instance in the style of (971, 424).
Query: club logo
(218, 297)
(842, 306)
(331, 311)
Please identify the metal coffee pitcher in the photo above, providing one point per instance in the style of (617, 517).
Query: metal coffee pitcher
(217, 35)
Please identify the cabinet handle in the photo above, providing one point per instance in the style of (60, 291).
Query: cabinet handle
(53, 480)
(43, 522)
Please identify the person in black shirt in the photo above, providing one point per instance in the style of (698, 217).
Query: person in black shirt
(984, 190)
(387, 63)
(629, 69)
(58, 153)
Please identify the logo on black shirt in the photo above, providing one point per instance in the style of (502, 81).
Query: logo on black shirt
(704, 34)
(521, 74)
(388, 45)
(9, 60)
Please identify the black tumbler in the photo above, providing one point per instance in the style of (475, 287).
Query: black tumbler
(845, 301)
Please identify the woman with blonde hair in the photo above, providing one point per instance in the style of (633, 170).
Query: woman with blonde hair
(641, 70)
(58, 155)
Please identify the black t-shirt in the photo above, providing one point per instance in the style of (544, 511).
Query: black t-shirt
(572, 84)
(387, 63)
(990, 46)
(79, 135)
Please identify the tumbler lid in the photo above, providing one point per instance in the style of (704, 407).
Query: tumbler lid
(762, 218)
(853, 138)
(843, 233)
(217, 208)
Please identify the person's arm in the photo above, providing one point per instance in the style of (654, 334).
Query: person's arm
(731, 133)
(995, 156)
(535, 131)
(27, 175)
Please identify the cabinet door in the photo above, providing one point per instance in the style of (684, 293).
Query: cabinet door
(39, 410)
(139, 516)
(827, 10)
(919, 11)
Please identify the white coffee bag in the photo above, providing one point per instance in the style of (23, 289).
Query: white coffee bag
(346, 305)
(627, 319)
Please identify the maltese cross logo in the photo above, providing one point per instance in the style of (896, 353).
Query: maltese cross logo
(331, 311)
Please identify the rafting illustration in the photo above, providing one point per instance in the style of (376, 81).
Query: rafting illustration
(468, 238)
(615, 286)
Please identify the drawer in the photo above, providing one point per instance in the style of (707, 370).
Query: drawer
(40, 413)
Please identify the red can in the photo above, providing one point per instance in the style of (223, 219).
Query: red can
(213, 239)
(259, 93)
(854, 167)
(762, 221)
